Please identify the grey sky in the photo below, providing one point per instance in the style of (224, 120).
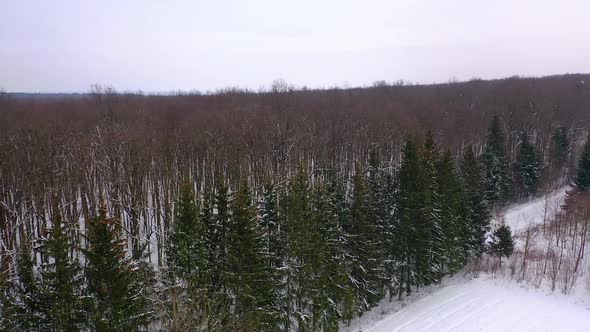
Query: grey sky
(67, 45)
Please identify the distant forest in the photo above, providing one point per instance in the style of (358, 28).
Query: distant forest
(286, 209)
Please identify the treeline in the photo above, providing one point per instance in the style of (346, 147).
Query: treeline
(306, 254)
(307, 166)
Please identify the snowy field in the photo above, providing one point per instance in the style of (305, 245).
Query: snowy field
(486, 303)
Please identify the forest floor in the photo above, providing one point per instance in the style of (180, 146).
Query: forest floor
(487, 303)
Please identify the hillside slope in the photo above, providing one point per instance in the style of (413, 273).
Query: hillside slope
(487, 303)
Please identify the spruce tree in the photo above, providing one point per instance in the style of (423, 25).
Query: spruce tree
(476, 211)
(249, 278)
(331, 284)
(364, 246)
(528, 166)
(453, 220)
(186, 247)
(409, 210)
(61, 278)
(561, 143)
(273, 236)
(502, 244)
(7, 301)
(378, 212)
(115, 291)
(187, 261)
(31, 307)
(339, 284)
(429, 231)
(497, 178)
(219, 235)
(390, 234)
(299, 243)
(582, 177)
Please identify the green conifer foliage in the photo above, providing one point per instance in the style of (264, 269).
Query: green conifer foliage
(497, 177)
(582, 178)
(114, 288)
(61, 278)
(476, 212)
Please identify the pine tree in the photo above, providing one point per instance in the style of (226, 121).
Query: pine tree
(61, 279)
(528, 166)
(497, 176)
(502, 244)
(582, 178)
(249, 277)
(113, 286)
(476, 211)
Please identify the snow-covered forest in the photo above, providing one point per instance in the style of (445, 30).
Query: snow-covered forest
(284, 210)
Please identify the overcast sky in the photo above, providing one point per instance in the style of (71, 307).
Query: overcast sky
(164, 45)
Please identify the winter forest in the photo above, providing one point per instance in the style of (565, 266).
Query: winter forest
(284, 209)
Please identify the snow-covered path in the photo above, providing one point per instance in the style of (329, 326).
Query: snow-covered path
(521, 216)
(487, 305)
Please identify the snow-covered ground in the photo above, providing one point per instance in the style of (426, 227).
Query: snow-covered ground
(486, 303)
(535, 212)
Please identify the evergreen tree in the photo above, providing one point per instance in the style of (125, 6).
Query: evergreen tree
(113, 286)
(378, 212)
(187, 261)
(390, 233)
(364, 246)
(332, 287)
(339, 283)
(217, 310)
(502, 244)
(7, 301)
(528, 166)
(409, 210)
(562, 144)
(476, 211)
(30, 308)
(497, 176)
(429, 231)
(300, 242)
(61, 279)
(186, 247)
(273, 236)
(219, 235)
(582, 178)
(453, 219)
(249, 276)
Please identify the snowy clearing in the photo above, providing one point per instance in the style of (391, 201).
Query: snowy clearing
(486, 304)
